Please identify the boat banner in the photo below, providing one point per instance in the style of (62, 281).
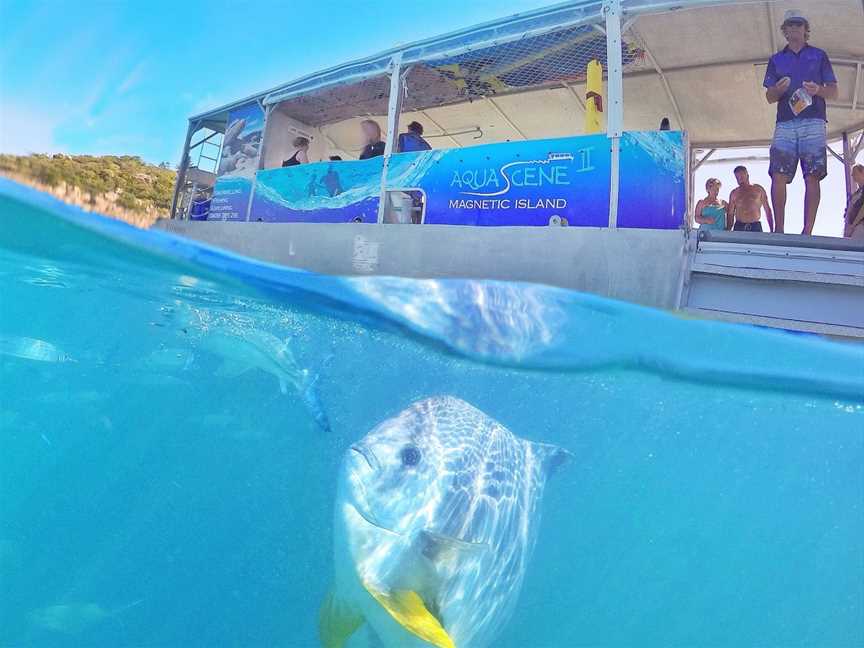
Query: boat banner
(652, 186)
(513, 183)
(322, 192)
(539, 182)
(237, 164)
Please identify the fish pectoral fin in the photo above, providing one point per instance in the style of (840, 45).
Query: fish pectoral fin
(441, 548)
(337, 621)
(231, 369)
(409, 610)
(551, 456)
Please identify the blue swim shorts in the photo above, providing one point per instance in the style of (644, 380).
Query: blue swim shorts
(799, 139)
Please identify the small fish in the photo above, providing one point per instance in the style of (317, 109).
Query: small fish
(74, 618)
(436, 516)
(32, 349)
(242, 347)
(255, 349)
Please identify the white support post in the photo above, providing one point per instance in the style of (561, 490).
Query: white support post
(181, 170)
(857, 148)
(704, 159)
(394, 108)
(836, 155)
(858, 69)
(265, 136)
(191, 200)
(614, 100)
(848, 162)
(692, 165)
(267, 110)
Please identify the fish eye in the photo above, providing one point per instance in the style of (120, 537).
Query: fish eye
(410, 456)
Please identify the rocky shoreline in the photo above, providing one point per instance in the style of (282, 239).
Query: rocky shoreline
(105, 204)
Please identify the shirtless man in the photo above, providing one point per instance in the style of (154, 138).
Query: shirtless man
(746, 203)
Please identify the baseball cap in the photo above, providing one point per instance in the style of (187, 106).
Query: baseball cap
(794, 14)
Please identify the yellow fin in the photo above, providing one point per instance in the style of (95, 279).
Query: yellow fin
(336, 622)
(411, 612)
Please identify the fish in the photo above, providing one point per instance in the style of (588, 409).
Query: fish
(436, 516)
(74, 618)
(243, 347)
(248, 349)
(32, 349)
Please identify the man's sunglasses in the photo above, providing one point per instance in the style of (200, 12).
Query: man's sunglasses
(795, 23)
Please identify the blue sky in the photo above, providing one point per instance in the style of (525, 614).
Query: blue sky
(122, 77)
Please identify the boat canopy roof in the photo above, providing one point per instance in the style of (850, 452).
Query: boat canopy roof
(699, 62)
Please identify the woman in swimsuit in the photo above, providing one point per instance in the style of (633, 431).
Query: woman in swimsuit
(711, 211)
(301, 155)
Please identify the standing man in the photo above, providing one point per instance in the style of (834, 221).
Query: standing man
(799, 79)
(746, 204)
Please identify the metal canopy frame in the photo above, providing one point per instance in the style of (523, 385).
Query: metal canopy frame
(609, 17)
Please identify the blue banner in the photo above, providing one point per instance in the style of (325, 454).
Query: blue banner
(652, 189)
(238, 163)
(514, 183)
(322, 192)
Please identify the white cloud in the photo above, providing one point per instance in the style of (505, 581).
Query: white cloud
(131, 79)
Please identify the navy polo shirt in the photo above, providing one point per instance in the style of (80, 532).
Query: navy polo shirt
(810, 64)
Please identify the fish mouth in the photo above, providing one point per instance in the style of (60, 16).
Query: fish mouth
(363, 467)
(368, 456)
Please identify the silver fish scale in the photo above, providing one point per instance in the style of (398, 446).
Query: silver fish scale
(490, 489)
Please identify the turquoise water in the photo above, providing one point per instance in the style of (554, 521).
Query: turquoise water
(154, 495)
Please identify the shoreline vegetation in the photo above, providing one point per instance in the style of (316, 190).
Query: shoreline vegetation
(123, 187)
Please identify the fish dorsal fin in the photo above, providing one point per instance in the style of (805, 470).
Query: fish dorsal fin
(410, 611)
(439, 548)
(337, 621)
(551, 456)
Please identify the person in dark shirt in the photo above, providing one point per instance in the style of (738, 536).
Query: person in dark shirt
(799, 79)
(372, 134)
(301, 155)
(413, 139)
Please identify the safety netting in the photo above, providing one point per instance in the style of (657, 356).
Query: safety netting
(554, 58)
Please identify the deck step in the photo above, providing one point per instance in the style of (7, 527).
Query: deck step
(785, 282)
(774, 322)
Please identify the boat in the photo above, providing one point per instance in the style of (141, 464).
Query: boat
(505, 107)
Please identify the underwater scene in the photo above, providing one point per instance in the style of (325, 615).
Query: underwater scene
(197, 449)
